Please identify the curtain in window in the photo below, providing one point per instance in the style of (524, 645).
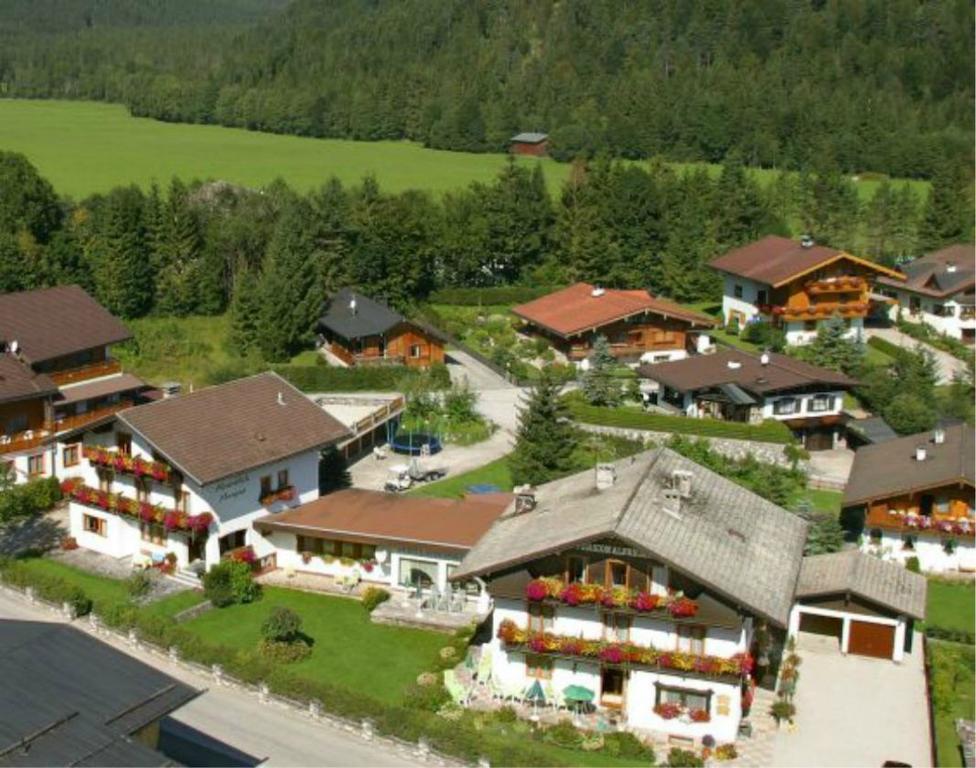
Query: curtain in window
(417, 573)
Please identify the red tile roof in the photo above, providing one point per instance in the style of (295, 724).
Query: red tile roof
(576, 309)
(776, 260)
(385, 517)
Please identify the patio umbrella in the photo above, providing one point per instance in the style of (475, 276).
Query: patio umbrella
(579, 695)
(536, 695)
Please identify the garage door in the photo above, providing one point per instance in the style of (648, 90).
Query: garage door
(832, 626)
(868, 639)
(819, 440)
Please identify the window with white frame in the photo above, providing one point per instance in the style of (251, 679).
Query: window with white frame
(785, 406)
(687, 698)
(417, 573)
(691, 638)
(821, 403)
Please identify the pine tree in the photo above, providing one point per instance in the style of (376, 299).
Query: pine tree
(832, 349)
(598, 385)
(180, 244)
(122, 273)
(245, 313)
(740, 210)
(948, 214)
(691, 243)
(545, 440)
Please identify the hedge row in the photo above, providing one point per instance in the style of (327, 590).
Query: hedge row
(628, 418)
(415, 718)
(925, 333)
(29, 498)
(953, 635)
(367, 378)
(502, 294)
(892, 350)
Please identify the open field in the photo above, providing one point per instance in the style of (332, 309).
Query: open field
(951, 605)
(951, 690)
(88, 147)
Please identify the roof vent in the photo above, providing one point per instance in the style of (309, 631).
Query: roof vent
(597, 292)
(735, 534)
(170, 389)
(606, 476)
(920, 453)
(950, 267)
(672, 502)
(938, 437)
(806, 241)
(764, 358)
(281, 399)
(352, 305)
(734, 365)
(681, 482)
(14, 347)
(525, 500)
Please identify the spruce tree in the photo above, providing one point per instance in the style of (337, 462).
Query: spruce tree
(740, 211)
(832, 349)
(948, 214)
(546, 439)
(180, 248)
(598, 385)
(122, 273)
(245, 313)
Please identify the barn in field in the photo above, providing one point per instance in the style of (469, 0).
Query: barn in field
(535, 144)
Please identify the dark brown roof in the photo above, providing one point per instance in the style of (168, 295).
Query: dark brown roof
(781, 374)
(375, 516)
(576, 309)
(940, 274)
(233, 427)
(53, 322)
(776, 260)
(19, 382)
(125, 382)
(890, 468)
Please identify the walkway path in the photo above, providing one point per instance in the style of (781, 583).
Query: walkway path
(264, 731)
(946, 364)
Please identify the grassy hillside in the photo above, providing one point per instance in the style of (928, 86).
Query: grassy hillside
(86, 147)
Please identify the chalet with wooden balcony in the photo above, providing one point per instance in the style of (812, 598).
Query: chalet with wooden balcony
(915, 497)
(185, 476)
(734, 385)
(62, 340)
(797, 286)
(638, 326)
(357, 330)
(939, 290)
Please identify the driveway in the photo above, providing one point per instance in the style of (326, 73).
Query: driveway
(856, 711)
(262, 731)
(946, 364)
(832, 468)
(498, 399)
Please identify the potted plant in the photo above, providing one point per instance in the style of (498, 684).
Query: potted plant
(782, 710)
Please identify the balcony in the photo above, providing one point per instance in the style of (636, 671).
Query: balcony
(67, 423)
(852, 284)
(25, 440)
(173, 520)
(85, 372)
(822, 310)
(619, 599)
(120, 461)
(909, 520)
(285, 493)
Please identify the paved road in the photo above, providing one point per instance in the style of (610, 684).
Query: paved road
(280, 736)
(946, 364)
(498, 399)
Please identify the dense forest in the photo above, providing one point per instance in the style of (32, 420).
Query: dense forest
(272, 256)
(859, 85)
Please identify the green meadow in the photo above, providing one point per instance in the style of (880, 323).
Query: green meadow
(88, 147)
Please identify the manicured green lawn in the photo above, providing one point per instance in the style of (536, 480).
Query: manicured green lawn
(87, 147)
(101, 589)
(822, 500)
(174, 604)
(349, 650)
(951, 688)
(951, 605)
(496, 473)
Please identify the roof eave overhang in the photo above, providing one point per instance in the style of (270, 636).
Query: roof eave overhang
(327, 531)
(960, 480)
(894, 274)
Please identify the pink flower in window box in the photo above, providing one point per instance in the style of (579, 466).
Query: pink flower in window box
(147, 512)
(572, 594)
(537, 643)
(700, 715)
(537, 590)
(667, 710)
(683, 608)
(645, 601)
(613, 654)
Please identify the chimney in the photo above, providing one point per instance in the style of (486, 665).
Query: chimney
(524, 499)
(681, 482)
(806, 241)
(764, 358)
(938, 437)
(606, 476)
(281, 399)
(352, 305)
(170, 389)
(920, 453)
(597, 292)
(734, 365)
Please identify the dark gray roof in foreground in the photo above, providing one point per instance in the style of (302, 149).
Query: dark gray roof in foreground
(731, 540)
(887, 584)
(79, 698)
(873, 429)
(369, 318)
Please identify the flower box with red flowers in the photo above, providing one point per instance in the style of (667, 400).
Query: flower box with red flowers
(667, 710)
(171, 519)
(616, 598)
(700, 716)
(126, 464)
(287, 493)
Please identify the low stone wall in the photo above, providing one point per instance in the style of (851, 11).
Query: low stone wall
(193, 611)
(773, 453)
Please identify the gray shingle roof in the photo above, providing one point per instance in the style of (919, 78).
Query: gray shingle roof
(369, 318)
(732, 541)
(530, 137)
(887, 584)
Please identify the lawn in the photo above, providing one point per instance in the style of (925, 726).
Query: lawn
(951, 605)
(951, 683)
(496, 473)
(102, 590)
(822, 500)
(87, 147)
(349, 650)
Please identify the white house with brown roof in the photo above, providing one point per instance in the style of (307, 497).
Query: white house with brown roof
(796, 286)
(188, 475)
(939, 290)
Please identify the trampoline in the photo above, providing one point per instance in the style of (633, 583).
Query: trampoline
(412, 443)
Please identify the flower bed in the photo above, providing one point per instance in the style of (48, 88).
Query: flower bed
(737, 666)
(926, 523)
(130, 465)
(282, 494)
(171, 519)
(674, 603)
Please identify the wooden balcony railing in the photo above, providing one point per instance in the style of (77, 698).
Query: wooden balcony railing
(823, 310)
(66, 423)
(910, 520)
(23, 441)
(85, 372)
(379, 416)
(837, 285)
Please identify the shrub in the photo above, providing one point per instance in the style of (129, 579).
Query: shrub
(324, 378)
(684, 758)
(429, 698)
(374, 596)
(29, 498)
(283, 625)
(726, 752)
(765, 336)
(230, 582)
(564, 734)
(626, 745)
(54, 589)
(782, 710)
(119, 615)
(284, 652)
(506, 715)
(913, 565)
(138, 584)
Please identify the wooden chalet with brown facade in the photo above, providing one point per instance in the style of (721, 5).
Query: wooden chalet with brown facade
(638, 326)
(357, 330)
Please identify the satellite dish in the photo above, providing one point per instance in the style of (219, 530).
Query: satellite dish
(381, 555)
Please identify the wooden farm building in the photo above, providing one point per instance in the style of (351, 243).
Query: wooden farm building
(535, 144)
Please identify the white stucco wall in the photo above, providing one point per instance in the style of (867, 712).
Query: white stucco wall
(798, 335)
(122, 536)
(747, 304)
(804, 406)
(950, 323)
(900, 624)
(929, 550)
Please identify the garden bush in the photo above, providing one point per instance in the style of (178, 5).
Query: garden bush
(374, 596)
(952, 635)
(324, 378)
(54, 589)
(564, 734)
(626, 745)
(29, 498)
(913, 565)
(684, 758)
(284, 652)
(230, 582)
(283, 625)
(138, 584)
